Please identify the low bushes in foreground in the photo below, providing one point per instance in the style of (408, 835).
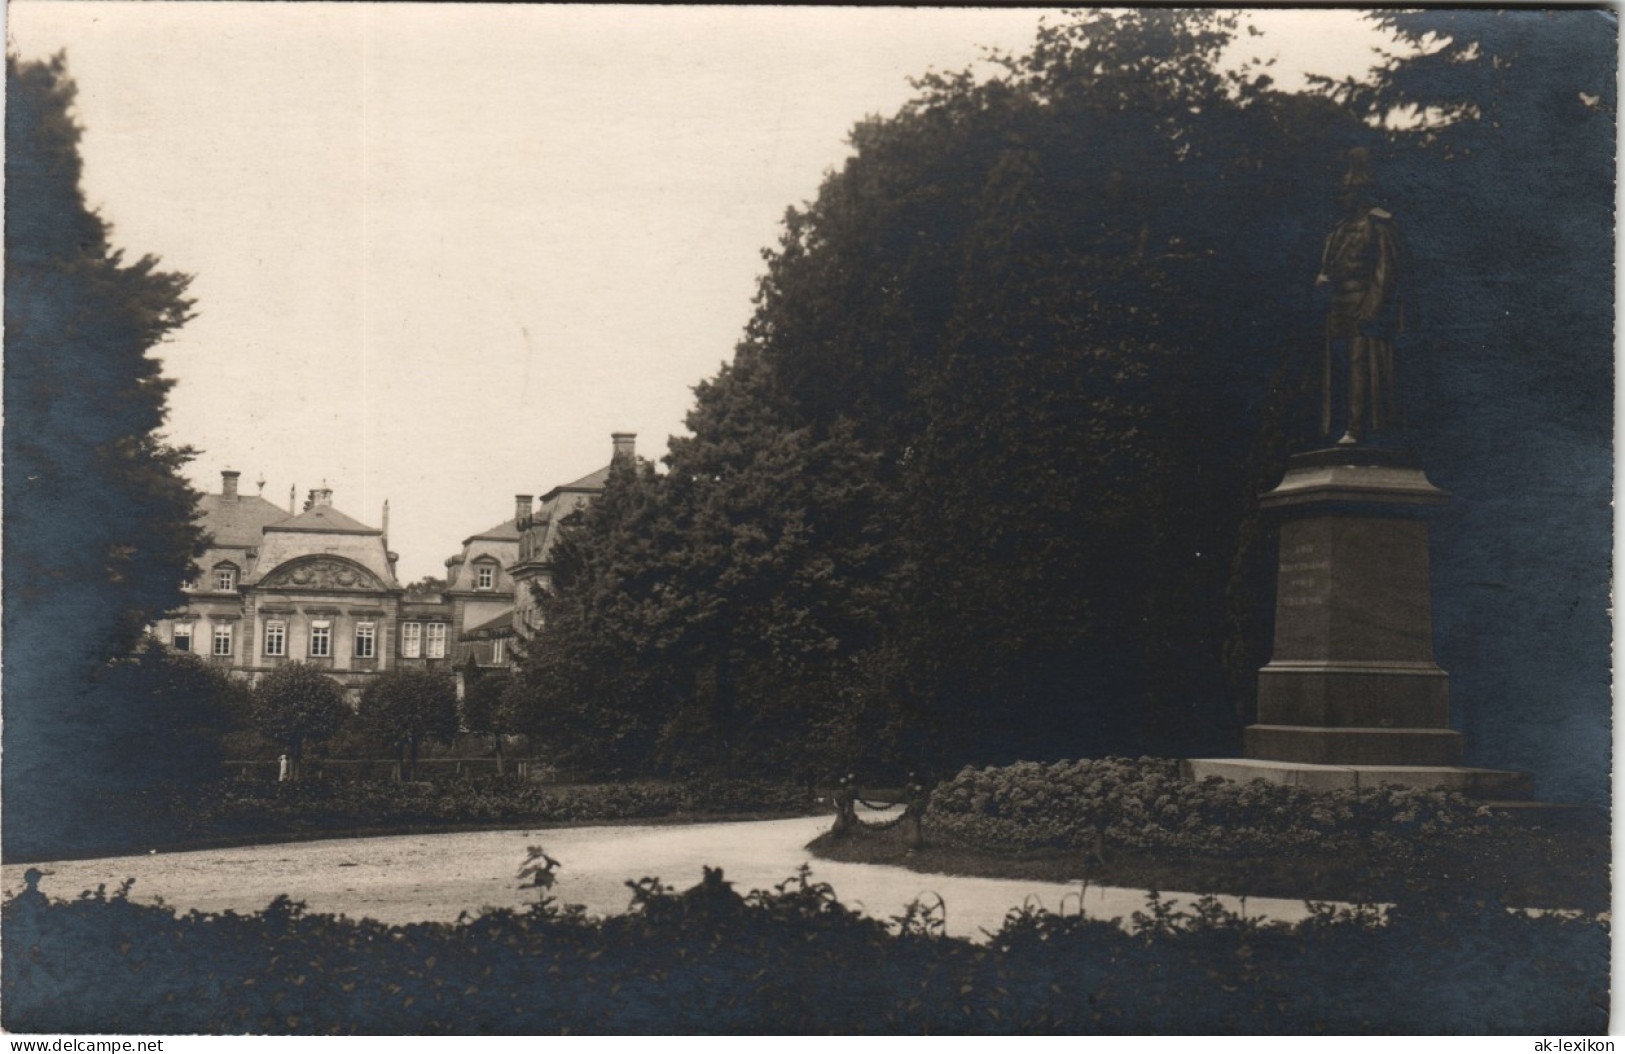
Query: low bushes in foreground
(794, 960)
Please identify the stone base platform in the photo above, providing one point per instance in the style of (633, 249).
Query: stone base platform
(1394, 747)
(1490, 784)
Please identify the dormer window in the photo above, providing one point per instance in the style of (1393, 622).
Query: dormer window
(485, 576)
(225, 578)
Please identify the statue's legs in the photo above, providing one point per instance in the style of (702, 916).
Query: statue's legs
(1380, 355)
(1371, 388)
(1360, 375)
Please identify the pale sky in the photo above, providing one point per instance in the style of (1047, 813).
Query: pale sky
(443, 251)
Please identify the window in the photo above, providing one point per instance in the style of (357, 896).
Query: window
(365, 635)
(225, 579)
(411, 640)
(436, 647)
(321, 639)
(222, 639)
(497, 649)
(485, 577)
(183, 636)
(276, 637)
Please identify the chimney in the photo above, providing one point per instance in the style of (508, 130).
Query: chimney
(321, 496)
(228, 484)
(521, 511)
(625, 443)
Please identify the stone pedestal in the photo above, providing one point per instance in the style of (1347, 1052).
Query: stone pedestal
(1351, 696)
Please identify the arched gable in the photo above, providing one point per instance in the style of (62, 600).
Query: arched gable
(326, 573)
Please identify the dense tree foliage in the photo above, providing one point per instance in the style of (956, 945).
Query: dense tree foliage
(980, 482)
(295, 706)
(98, 520)
(405, 707)
(1508, 189)
(188, 707)
(929, 511)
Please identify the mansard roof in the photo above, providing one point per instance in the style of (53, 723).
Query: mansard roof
(327, 519)
(593, 481)
(237, 524)
(506, 531)
(501, 626)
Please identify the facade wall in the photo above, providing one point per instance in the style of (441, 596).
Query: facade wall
(323, 570)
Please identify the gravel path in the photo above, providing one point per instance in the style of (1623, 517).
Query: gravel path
(436, 877)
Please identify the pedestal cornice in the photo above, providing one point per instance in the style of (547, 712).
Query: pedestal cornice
(1348, 475)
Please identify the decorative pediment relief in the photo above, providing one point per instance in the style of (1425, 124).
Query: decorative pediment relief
(321, 574)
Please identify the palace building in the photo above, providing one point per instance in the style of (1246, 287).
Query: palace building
(319, 587)
(533, 568)
(316, 587)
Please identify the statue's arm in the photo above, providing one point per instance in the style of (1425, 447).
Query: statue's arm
(1385, 276)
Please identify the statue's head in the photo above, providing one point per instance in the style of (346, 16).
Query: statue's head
(1354, 189)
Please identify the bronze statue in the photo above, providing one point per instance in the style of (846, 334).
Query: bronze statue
(1362, 265)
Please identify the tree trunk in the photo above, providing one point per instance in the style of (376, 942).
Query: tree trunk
(498, 737)
(412, 758)
(723, 708)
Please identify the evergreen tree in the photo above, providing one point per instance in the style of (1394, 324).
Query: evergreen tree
(99, 531)
(593, 693)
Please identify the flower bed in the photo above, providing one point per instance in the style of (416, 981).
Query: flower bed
(1146, 803)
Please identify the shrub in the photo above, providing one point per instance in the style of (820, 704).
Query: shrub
(258, 808)
(794, 960)
(1146, 803)
(297, 705)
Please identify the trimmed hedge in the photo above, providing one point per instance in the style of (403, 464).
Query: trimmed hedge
(796, 961)
(258, 810)
(341, 804)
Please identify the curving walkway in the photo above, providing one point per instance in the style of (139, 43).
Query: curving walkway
(436, 877)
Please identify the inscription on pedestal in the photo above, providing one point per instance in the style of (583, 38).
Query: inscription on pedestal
(1303, 580)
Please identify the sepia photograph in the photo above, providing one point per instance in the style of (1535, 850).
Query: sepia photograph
(538, 519)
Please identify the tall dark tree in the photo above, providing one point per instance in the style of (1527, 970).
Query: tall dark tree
(593, 693)
(1052, 303)
(1059, 326)
(957, 459)
(779, 573)
(98, 520)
